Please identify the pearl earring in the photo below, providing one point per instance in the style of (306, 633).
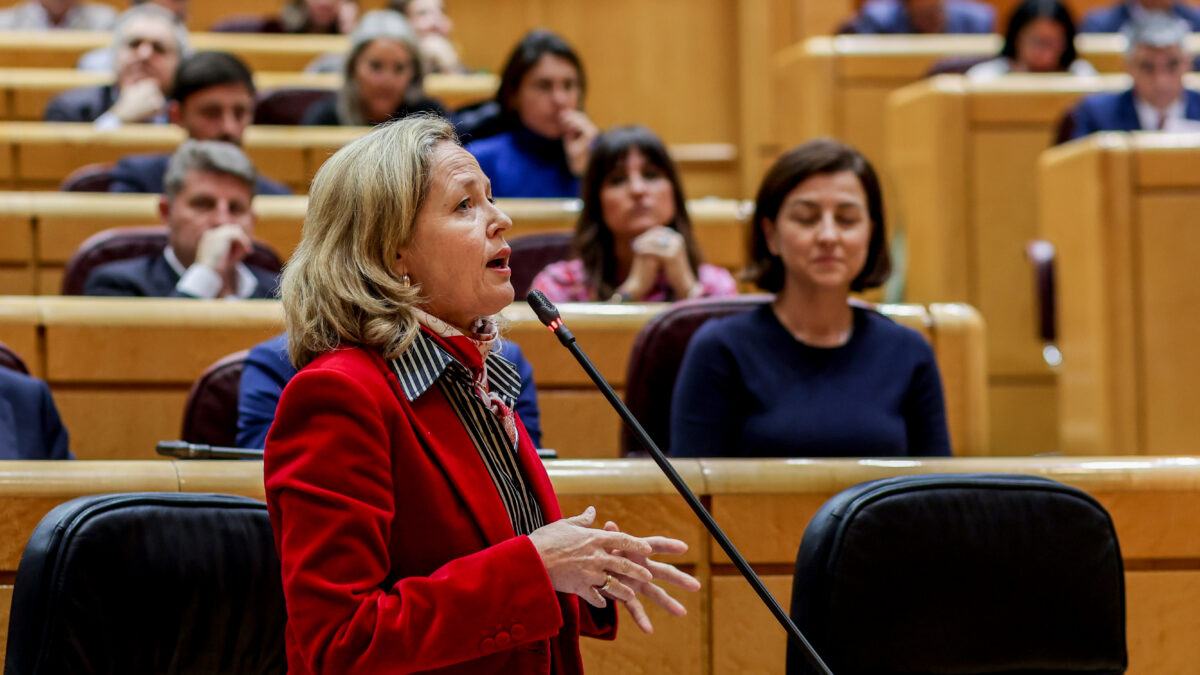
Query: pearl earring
(407, 281)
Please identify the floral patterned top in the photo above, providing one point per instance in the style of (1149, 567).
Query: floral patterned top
(566, 281)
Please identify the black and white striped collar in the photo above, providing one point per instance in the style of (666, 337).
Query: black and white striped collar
(419, 366)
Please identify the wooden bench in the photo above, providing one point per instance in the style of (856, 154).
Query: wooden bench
(962, 158)
(24, 92)
(40, 230)
(764, 506)
(1121, 210)
(38, 155)
(120, 368)
(836, 86)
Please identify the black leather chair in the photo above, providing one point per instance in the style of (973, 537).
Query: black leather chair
(655, 359)
(961, 573)
(210, 414)
(120, 243)
(149, 583)
(532, 252)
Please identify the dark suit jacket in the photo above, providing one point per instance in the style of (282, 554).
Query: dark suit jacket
(397, 553)
(267, 371)
(80, 105)
(890, 16)
(1117, 112)
(1112, 19)
(29, 424)
(145, 173)
(151, 276)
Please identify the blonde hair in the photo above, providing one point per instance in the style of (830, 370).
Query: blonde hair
(340, 286)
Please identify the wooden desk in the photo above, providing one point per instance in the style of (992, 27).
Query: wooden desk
(836, 86)
(1121, 212)
(25, 92)
(38, 155)
(764, 506)
(120, 368)
(40, 230)
(962, 158)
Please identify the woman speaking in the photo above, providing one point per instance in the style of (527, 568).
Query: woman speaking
(416, 526)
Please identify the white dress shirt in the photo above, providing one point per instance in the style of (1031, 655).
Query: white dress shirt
(202, 281)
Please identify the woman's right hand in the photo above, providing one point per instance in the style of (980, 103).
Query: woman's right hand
(580, 558)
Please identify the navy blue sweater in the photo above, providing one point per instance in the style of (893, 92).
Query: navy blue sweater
(748, 388)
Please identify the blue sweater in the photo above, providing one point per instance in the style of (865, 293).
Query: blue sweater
(267, 372)
(747, 388)
(522, 164)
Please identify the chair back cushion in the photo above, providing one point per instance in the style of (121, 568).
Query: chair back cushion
(961, 573)
(89, 178)
(286, 105)
(9, 359)
(956, 65)
(655, 359)
(533, 252)
(121, 243)
(211, 413)
(149, 583)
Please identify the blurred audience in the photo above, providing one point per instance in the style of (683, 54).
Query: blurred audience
(213, 100)
(103, 58)
(206, 205)
(433, 26)
(633, 240)
(381, 77)
(1040, 39)
(809, 374)
(148, 44)
(57, 14)
(544, 147)
(922, 16)
(30, 427)
(1114, 19)
(267, 371)
(318, 16)
(1157, 59)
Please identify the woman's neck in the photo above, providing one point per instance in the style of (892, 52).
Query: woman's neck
(820, 317)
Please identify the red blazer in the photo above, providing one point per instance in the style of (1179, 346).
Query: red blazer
(396, 551)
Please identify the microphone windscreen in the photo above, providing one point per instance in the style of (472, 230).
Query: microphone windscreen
(545, 310)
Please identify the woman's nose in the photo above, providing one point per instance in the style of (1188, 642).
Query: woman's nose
(827, 229)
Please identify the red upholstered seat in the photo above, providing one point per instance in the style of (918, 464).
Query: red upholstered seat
(10, 360)
(286, 105)
(533, 252)
(210, 414)
(88, 178)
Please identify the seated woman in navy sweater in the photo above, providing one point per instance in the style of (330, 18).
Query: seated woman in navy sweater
(809, 374)
(544, 148)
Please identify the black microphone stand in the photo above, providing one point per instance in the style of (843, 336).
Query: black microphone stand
(547, 313)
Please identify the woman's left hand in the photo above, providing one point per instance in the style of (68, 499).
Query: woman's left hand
(577, 141)
(669, 247)
(626, 589)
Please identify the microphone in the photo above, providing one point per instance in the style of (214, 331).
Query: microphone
(547, 313)
(184, 450)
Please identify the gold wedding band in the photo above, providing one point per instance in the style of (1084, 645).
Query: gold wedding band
(608, 579)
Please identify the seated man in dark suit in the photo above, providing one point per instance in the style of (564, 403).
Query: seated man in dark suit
(1116, 18)
(29, 424)
(1158, 100)
(148, 44)
(206, 206)
(922, 16)
(213, 100)
(267, 371)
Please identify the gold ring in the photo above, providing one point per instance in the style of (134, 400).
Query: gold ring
(608, 579)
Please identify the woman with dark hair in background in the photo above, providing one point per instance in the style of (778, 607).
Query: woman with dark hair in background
(1040, 39)
(809, 374)
(382, 76)
(544, 146)
(633, 240)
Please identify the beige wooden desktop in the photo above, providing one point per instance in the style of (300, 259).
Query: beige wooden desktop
(38, 155)
(836, 86)
(963, 162)
(120, 368)
(25, 92)
(764, 506)
(1121, 209)
(39, 231)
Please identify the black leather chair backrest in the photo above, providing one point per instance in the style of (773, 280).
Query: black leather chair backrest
(655, 359)
(961, 573)
(120, 243)
(532, 252)
(149, 583)
(211, 413)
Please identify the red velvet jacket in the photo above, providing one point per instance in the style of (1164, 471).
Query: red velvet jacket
(397, 553)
